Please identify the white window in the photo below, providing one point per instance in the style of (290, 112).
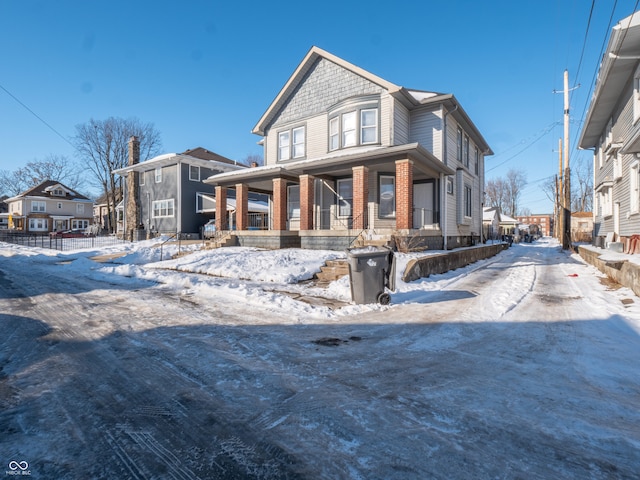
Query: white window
(298, 142)
(194, 173)
(345, 197)
(38, 224)
(348, 129)
(58, 192)
(158, 175)
(634, 187)
(293, 201)
(163, 208)
(467, 200)
(466, 151)
(450, 185)
(38, 206)
(334, 133)
(387, 206)
(617, 166)
(79, 224)
(606, 202)
(284, 148)
(80, 208)
(369, 126)
(141, 178)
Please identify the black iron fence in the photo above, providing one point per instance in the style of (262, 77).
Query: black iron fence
(60, 242)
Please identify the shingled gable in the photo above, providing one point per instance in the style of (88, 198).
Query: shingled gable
(45, 188)
(204, 154)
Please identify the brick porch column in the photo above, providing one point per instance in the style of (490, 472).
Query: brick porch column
(360, 197)
(404, 194)
(242, 207)
(221, 209)
(306, 202)
(279, 204)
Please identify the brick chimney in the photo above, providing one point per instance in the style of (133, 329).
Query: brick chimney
(132, 207)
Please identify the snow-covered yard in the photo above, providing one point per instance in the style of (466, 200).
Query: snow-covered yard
(523, 365)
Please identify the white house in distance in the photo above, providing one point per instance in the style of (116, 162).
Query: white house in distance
(49, 207)
(349, 154)
(612, 130)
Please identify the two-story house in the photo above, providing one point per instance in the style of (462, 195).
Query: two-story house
(167, 192)
(350, 154)
(612, 130)
(49, 207)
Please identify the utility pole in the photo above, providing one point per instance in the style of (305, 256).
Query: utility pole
(566, 238)
(559, 230)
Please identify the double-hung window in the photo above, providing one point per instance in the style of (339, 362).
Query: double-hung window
(353, 123)
(163, 208)
(80, 208)
(158, 175)
(345, 197)
(467, 200)
(291, 143)
(459, 145)
(194, 173)
(38, 206)
(466, 151)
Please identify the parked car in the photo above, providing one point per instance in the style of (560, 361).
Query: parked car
(77, 233)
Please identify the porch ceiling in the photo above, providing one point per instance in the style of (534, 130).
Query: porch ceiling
(380, 158)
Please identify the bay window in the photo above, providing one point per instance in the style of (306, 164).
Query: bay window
(354, 122)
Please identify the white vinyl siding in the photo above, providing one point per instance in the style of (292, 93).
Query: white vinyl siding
(80, 208)
(38, 206)
(634, 187)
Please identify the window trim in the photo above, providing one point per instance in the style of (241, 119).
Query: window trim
(158, 175)
(141, 178)
(194, 178)
(382, 176)
(167, 205)
(80, 208)
(339, 137)
(348, 200)
(44, 221)
(39, 203)
(292, 151)
(634, 187)
(468, 203)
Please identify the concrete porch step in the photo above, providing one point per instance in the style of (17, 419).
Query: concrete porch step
(332, 271)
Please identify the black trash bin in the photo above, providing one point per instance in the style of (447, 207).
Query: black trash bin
(371, 270)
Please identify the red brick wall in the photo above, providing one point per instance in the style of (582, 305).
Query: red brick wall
(242, 206)
(306, 202)
(279, 204)
(404, 194)
(360, 197)
(221, 209)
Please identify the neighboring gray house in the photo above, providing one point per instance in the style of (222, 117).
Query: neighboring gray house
(612, 130)
(169, 189)
(349, 154)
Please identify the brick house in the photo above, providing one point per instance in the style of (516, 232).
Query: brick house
(349, 154)
(542, 222)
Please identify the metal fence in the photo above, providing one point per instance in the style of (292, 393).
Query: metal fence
(60, 242)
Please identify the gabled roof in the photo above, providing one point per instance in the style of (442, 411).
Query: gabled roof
(298, 76)
(198, 157)
(410, 98)
(205, 154)
(616, 68)
(44, 189)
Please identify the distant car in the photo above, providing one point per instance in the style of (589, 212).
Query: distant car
(77, 233)
(209, 229)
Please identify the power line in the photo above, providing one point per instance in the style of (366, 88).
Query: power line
(36, 115)
(545, 132)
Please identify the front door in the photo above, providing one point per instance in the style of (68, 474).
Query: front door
(423, 204)
(59, 225)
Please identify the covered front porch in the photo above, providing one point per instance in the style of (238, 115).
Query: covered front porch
(330, 203)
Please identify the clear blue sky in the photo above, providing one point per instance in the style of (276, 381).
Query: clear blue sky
(203, 72)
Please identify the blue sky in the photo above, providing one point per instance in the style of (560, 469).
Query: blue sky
(203, 72)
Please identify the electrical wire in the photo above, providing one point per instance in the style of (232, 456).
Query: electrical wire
(36, 115)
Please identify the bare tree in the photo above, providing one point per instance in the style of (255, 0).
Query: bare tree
(54, 167)
(103, 146)
(582, 186)
(515, 182)
(252, 159)
(504, 193)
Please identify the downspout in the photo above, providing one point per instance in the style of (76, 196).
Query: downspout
(178, 208)
(443, 180)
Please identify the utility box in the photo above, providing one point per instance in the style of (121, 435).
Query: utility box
(371, 271)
